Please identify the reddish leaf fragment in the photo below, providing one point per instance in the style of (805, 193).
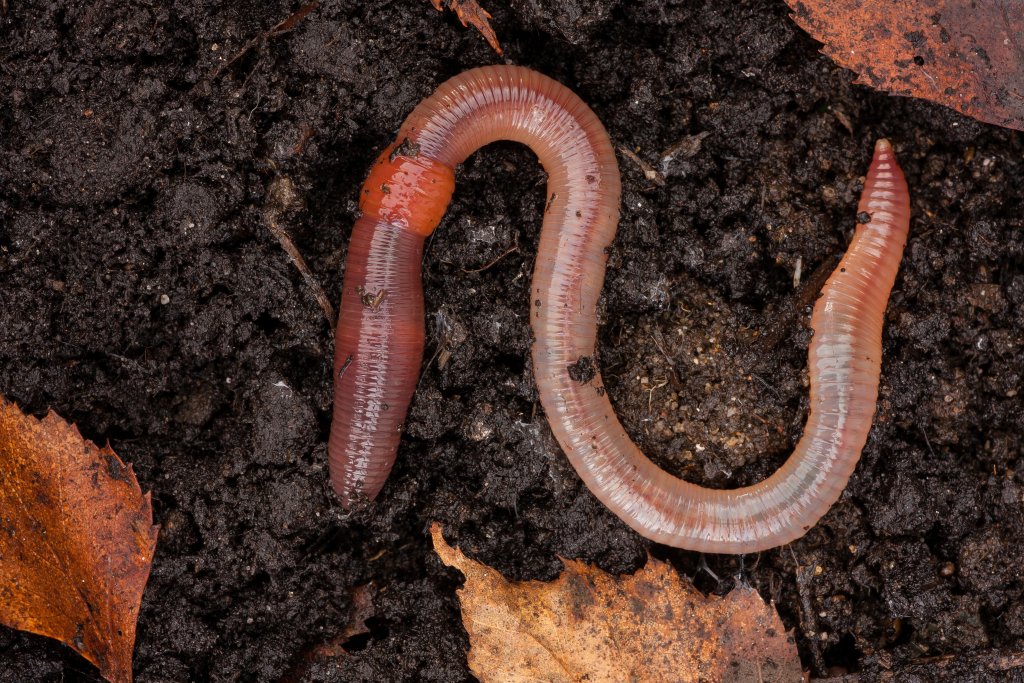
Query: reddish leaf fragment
(76, 540)
(470, 12)
(292, 21)
(332, 653)
(965, 55)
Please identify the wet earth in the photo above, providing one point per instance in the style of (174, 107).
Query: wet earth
(144, 297)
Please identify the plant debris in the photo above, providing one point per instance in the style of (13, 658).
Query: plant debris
(77, 540)
(591, 626)
(968, 56)
(470, 12)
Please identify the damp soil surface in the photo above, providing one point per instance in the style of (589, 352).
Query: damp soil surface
(143, 296)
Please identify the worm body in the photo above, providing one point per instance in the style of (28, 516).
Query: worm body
(379, 344)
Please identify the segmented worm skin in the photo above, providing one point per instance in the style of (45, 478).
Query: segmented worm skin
(379, 345)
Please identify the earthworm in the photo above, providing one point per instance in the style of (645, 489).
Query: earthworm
(379, 343)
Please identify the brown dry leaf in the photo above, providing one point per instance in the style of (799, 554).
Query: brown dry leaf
(591, 626)
(76, 540)
(470, 12)
(965, 55)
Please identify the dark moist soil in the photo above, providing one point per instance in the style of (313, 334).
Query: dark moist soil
(144, 298)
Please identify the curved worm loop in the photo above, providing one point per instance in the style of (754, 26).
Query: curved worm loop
(844, 361)
(379, 343)
(380, 331)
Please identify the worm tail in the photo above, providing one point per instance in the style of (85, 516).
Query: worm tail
(377, 356)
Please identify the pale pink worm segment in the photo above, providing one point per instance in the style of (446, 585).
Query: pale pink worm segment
(379, 344)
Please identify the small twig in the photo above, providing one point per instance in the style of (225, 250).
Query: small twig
(292, 21)
(767, 386)
(658, 339)
(927, 441)
(426, 366)
(843, 120)
(281, 196)
(686, 148)
(489, 264)
(471, 13)
(300, 263)
(306, 132)
(281, 27)
(451, 334)
(650, 393)
(649, 171)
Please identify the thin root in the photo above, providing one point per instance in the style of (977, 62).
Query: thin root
(491, 263)
(649, 171)
(281, 196)
(281, 27)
